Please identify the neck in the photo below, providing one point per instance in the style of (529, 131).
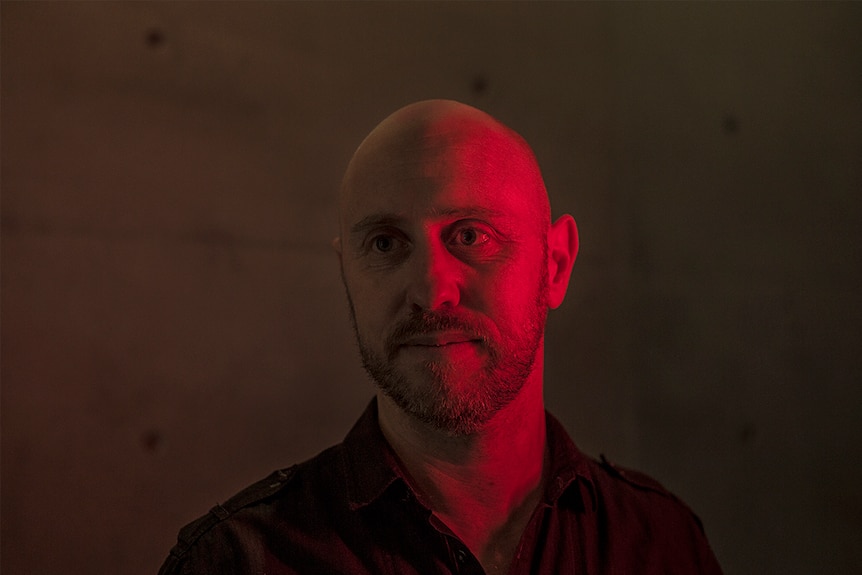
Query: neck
(484, 486)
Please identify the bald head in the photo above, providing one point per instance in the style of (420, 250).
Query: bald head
(436, 142)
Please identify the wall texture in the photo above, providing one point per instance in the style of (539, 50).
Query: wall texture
(173, 323)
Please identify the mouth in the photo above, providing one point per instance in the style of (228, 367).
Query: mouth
(440, 340)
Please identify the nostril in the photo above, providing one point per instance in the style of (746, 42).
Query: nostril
(434, 280)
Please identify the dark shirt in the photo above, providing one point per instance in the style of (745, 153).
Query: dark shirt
(351, 510)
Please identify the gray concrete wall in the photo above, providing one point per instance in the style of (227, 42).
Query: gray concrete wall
(173, 323)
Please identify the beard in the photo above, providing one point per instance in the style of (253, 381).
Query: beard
(449, 399)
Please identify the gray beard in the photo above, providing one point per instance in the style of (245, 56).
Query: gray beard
(462, 408)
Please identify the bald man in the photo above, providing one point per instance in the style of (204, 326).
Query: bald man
(450, 262)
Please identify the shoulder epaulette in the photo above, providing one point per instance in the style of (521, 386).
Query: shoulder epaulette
(644, 481)
(634, 477)
(189, 534)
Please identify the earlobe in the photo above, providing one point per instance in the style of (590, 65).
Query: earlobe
(562, 251)
(336, 245)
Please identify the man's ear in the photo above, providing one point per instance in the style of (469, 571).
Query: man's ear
(339, 250)
(562, 251)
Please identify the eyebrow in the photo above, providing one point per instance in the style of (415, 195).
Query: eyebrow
(391, 219)
(375, 221)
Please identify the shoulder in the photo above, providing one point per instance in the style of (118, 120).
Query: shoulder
(643, 524)
(625, 490)
(190, 534)
(640, 481)
(217, 535)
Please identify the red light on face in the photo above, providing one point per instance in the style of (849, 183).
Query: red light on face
(445, 265)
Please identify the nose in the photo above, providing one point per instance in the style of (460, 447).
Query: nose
(434, 279)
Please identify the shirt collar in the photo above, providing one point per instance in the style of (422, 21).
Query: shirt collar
(373, 468)
(569, 478)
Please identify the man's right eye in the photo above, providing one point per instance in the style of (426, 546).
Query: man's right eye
(383, 244)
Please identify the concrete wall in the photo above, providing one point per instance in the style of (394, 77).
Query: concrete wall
(173, 323)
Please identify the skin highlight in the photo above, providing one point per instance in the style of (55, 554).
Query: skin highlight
(450, 263)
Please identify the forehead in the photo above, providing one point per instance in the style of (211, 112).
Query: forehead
(442, 171)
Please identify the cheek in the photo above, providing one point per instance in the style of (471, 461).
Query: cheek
(517, 286)
(508, 301)
(518, 289)
(370, 303)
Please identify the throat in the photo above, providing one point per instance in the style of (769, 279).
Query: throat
(484, 486)
(494, 540)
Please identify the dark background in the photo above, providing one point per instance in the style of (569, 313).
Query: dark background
(173, 322)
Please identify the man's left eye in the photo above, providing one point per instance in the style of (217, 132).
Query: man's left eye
(471, 237)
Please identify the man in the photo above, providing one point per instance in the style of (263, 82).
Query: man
(450, 262)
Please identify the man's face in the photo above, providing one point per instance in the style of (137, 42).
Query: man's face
(444, 261)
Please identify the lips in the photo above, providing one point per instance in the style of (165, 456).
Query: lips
(440, 339)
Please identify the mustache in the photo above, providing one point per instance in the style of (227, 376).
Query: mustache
(423, 322)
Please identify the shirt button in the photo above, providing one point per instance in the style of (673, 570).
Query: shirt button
(461, 556)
